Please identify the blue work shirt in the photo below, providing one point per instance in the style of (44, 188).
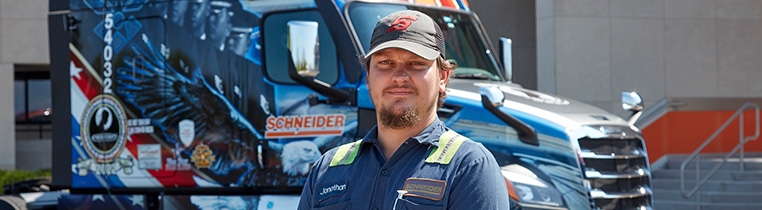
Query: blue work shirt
(471, 180)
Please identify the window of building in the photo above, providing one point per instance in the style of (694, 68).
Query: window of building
(32, 97)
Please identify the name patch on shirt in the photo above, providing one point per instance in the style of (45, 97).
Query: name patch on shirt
(431, 189)
(330, 190)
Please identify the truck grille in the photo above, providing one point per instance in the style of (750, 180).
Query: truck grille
(618, 172)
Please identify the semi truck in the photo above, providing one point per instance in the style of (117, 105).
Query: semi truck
(225, 104)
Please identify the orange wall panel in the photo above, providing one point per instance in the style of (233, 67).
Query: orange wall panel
(683, 132)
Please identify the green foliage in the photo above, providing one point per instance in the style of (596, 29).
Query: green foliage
(8, 177)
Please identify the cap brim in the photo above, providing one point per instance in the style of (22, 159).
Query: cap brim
(415, 48)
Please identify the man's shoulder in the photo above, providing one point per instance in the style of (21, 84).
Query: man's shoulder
(327, 157)
(467, 144)
(471, 150)
(335, 148)
(453, 146)
(474, 147)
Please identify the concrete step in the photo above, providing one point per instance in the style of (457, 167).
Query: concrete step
(720, 186)
(720, 155)
(747, 175)
(710, 197)
(728, 189)
(708, 162)
(684, 205)
(689, 174)
(727, 175)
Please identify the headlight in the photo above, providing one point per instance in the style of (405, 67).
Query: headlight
(532, 190)
(538, 194)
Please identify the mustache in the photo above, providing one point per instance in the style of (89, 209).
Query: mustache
(405, 86)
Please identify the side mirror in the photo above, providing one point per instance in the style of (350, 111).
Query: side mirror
(494, 94)
(303, 60)
(304, 45)
(631, 101)
(506, 58)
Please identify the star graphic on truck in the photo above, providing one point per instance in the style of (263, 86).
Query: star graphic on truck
(74, 70)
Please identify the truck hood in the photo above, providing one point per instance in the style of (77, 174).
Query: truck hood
(536, 103)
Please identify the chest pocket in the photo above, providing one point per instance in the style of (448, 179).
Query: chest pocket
(406, 203)
(339, 206)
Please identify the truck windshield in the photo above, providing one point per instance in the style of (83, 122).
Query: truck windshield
(464, 41)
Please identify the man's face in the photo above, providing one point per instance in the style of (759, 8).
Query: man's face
(200, 10)
(404, 87)
(239, 44)
(219, 24)
(178, 11)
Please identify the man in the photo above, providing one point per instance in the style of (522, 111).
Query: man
(178, 12)
(219, 24)
(410, 160)
(200, 10)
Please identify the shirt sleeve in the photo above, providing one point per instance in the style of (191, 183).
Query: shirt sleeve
(479, 184)
(305, 200)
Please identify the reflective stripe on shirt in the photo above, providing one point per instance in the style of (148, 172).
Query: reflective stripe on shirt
(449, 143)
(346, 154)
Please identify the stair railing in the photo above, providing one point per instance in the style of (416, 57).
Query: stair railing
(739, 114)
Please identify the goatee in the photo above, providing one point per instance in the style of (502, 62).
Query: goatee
(407, 118)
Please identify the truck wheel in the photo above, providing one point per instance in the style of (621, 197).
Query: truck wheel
(9, 202)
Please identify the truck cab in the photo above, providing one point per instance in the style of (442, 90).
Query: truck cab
(227, 103)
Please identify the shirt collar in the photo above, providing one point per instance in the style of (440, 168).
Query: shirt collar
(429, 135)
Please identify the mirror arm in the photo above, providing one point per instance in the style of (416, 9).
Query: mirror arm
(527, 133)
(634, 117)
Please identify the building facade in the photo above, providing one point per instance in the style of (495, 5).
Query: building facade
(23, 86)
(592, 50)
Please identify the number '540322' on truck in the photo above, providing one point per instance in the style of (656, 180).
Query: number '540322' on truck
(225, 104)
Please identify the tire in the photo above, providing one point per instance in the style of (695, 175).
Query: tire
(9, 202)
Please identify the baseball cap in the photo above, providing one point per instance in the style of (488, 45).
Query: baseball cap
(410, 30)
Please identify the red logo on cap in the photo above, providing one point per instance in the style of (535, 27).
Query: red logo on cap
(401, 23)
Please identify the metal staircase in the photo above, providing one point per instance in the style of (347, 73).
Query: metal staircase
(712, 181)
(728, 189)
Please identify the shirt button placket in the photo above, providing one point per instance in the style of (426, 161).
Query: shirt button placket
(384, 172)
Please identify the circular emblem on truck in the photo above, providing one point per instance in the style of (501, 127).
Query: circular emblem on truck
(104, 128)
